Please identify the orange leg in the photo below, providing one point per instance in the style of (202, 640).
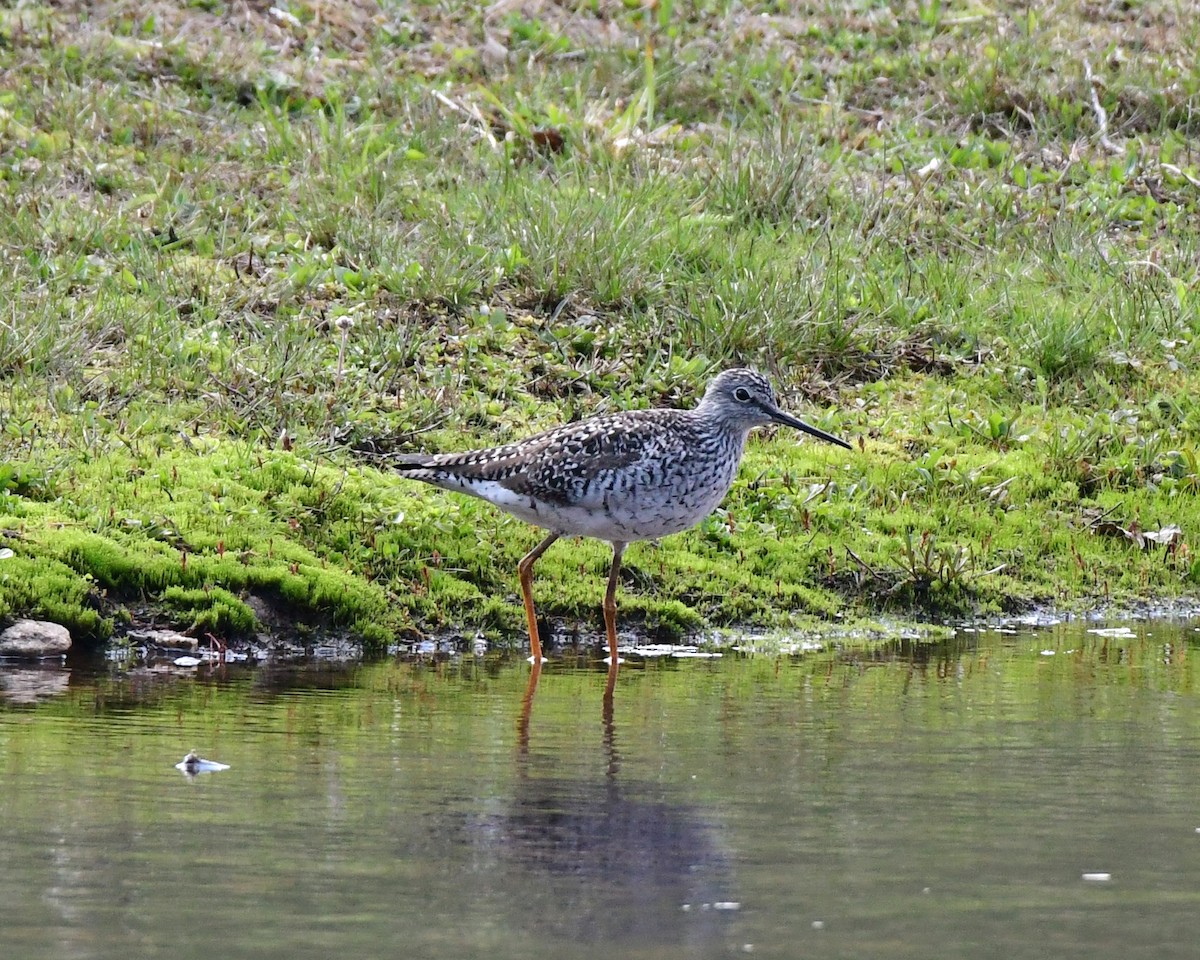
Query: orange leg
(525, 572)
(610, 616)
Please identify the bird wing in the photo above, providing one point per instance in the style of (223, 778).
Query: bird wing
(567, 465)
(575, 463)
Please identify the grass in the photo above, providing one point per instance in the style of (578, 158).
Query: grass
(247, 256)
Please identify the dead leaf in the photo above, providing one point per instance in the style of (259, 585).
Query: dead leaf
(1164, 537)
(548, 140)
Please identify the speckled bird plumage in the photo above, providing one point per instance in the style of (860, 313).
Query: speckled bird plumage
(626, 476)
(621, 477)
(635, 475)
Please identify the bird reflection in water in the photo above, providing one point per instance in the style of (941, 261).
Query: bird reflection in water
(608, 859)
(531, 692)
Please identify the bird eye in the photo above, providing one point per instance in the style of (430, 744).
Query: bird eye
(741, 394)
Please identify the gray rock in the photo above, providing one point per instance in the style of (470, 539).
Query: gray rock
(170, 639)
(34, 639)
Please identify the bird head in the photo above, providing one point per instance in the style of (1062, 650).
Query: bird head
(746, 399)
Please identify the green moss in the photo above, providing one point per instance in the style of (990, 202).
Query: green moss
(212, 610)
(46, 589)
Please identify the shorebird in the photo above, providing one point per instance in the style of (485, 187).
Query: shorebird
(620, 477)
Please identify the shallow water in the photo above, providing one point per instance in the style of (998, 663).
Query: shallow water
(914, 802)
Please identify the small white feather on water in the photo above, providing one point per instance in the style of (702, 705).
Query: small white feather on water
(197, 764)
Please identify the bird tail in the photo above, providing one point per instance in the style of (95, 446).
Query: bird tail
(440, 469)
(407, 462)
(450, 471)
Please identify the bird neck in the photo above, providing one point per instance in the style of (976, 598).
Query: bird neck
(719, 416)
(720, 434)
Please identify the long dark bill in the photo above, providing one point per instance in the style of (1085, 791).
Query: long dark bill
(798, 424)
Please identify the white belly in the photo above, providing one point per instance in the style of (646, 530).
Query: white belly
(616, 516)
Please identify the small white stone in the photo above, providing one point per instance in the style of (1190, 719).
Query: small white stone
(1097, 877)
(818, 924)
